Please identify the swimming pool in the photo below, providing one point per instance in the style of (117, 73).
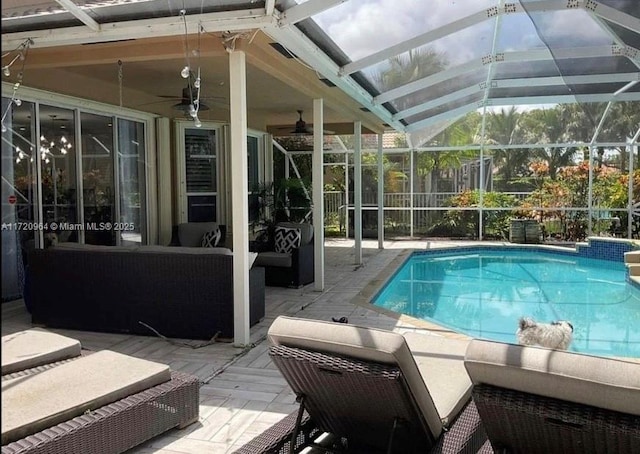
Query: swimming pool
(483, 292)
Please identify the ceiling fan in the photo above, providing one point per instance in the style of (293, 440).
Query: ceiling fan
(190, 95)
(301, 128)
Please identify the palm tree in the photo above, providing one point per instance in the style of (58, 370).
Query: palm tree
(503, 128)
(408, 67)
(551, 126)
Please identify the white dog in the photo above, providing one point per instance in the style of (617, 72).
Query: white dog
(556, 335)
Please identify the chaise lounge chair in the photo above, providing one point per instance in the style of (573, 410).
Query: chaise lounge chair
(370, 390)
(537, 400)
(96, 402)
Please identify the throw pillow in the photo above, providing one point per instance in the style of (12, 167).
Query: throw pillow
(211, 238)
(286, 239)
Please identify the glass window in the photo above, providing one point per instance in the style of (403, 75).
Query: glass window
(132, 181)
(98, 187)
(201, 174)
(57, 147)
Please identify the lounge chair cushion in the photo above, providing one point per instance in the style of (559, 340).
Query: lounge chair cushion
(34, 403)
(375, 345)
(35, 347)
(441, 364)
(602, 382)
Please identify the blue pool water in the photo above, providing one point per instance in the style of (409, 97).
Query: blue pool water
(483, 292)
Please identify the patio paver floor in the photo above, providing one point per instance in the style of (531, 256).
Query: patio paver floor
(242, 392)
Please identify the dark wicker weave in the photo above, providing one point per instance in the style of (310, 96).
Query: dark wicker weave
(525, 423)
(359, 401)
(120, 426)
(465, 435)
(300, 273)
(277, 439)
(38, 369)
(177, 294)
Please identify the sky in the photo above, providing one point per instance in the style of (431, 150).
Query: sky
(363, 27)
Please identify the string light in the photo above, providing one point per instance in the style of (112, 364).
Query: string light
(186, 73)
(17, 54)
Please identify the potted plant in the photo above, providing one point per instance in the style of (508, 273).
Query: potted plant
(271, 203)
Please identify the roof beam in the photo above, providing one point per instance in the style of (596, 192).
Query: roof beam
(613, 15)
(527, 100)
(305, 10)
(79, 14)
(517, 83)
(460, 24)
(227, 21)
(507, 57)
(298, 43)
(269, 7)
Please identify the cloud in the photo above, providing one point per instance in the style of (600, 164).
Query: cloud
(363, 27)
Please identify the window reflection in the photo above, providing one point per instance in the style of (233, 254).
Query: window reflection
(132, 182)
(97, 178)
(57, 148)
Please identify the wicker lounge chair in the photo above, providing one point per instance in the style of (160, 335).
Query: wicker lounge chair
(537, 400)
(97, 419)
(370, 390)
(35, 347)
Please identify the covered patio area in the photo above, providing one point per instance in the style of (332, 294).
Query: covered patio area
(242, 393)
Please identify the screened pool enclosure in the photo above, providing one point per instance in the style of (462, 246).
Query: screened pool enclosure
(499, 109)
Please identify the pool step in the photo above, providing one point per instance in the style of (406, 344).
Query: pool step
(634, 269)
(632, 257)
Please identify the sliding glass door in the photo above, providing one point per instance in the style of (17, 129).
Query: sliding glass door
(50, 156)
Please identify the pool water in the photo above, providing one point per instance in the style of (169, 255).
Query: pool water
(483, 293)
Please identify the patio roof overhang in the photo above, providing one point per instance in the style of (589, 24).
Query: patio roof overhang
(417, 74)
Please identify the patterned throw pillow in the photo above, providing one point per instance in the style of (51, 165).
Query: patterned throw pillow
(211, 238)
(287, 239)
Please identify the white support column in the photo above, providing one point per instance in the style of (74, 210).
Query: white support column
(239, 196)
(163, 144)
(346, 194)
(380, 195)
(630, 203)
(318, 194)
(411, 180)
(357, 190)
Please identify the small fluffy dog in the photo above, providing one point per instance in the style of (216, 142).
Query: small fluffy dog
(556, 335)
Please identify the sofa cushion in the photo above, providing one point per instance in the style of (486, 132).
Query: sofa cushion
(158, 249)
(211, 238)
(32, 404)
(371, 344)
(190, 233)
(601, 382)
(94, 247)
(306, 230)
(286, 239)
(274, 259)
(35, 347)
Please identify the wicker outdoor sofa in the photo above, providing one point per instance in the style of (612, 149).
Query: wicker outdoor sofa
(90, 403)
(178, 292)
